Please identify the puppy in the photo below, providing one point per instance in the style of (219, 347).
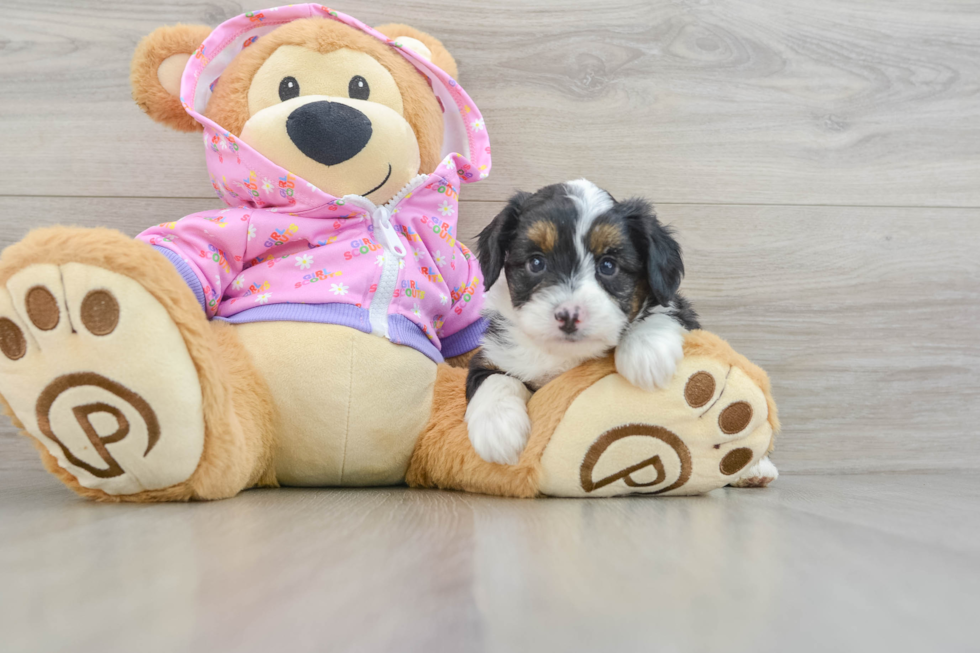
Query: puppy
(570, 274)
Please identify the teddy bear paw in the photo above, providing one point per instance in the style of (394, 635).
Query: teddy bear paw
(95, 369)
(706, 427)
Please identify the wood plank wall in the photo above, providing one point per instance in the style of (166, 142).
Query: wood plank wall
(820, 161)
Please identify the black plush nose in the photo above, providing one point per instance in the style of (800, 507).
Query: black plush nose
(328, 132)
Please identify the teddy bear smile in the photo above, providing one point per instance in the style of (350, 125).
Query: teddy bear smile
(383, 182)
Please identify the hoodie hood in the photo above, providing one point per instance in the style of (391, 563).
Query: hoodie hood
(242, 177)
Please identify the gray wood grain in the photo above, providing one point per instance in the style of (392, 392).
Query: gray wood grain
(811, 156)
(867, 319)
(761, 101)
(814, 563)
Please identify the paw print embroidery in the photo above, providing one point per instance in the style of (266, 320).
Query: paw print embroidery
(705, 429)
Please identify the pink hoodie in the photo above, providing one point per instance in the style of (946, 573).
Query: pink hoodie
(285, 250)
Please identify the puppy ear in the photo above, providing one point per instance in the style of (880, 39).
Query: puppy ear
(665, 267)
(432, 48)
(156, 69)
(496, 237)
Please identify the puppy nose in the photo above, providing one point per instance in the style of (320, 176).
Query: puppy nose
(570, 319)
(328, 132)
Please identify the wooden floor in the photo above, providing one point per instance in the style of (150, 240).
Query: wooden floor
(821, 163)
(884, 562)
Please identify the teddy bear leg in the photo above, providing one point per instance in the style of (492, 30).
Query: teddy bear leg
(710, 426)
(593, 434)
(108, 362)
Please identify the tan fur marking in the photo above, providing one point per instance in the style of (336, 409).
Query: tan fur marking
(604, 237)
(544, 234)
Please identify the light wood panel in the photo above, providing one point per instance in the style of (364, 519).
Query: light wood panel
(814, 563)
(867, 319)
(759, 101)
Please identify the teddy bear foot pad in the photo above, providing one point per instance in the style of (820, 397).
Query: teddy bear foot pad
(698, 433)
(95, 369)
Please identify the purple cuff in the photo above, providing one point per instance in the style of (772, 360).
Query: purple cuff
(466, 340)
(402, 331)
(343, 314)
(185, 271)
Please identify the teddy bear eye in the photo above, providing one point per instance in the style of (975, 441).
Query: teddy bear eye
(358, 88)
(288, 88)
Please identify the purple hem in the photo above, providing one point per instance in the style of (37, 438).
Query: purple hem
(184, 270)
(401, 330)
(466, 340)
(342, 314)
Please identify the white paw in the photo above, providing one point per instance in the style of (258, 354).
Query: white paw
(760, 474)
(647, 357)
(497, 420)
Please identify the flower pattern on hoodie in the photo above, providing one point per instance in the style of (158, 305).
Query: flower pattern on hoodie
(284, 249)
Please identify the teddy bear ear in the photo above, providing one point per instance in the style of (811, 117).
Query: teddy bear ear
(156, 69)
(432, 48)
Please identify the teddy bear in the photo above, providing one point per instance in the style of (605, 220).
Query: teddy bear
(312, 333)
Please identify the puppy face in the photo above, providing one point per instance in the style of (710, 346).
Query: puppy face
(578, 267)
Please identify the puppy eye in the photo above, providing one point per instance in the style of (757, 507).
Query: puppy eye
(288, 88)
(536, 265)
(358, 88)
(608, 266)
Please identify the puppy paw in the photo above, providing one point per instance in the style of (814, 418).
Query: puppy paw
(759, 475)
(497, 420)
(648, 358)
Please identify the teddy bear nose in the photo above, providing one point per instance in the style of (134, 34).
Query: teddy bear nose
(328, 132)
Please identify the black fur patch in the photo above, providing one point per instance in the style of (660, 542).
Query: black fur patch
(481, 369)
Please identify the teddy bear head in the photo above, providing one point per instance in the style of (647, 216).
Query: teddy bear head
(328, 102)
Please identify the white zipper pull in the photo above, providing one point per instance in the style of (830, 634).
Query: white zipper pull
(389, 237)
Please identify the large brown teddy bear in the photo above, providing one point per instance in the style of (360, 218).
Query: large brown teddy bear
(306, 334)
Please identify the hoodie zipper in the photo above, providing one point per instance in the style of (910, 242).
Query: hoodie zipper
(394, 252)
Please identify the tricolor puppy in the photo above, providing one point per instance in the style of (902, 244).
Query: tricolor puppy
(570, 274)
